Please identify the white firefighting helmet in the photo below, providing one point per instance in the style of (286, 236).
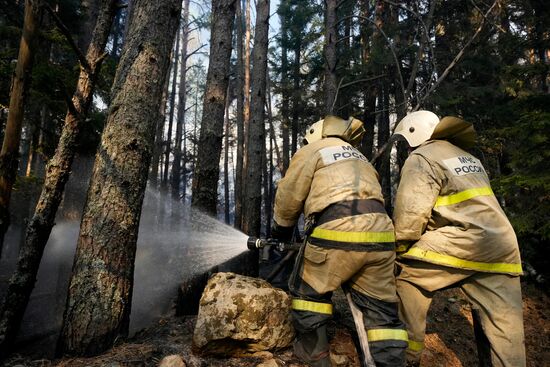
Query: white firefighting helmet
(314, 132)
(417, 127)
(421, 126)
(350, 130)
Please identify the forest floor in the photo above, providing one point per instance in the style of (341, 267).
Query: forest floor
(449, 341)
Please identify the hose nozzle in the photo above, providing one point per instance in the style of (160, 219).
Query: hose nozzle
(254, 243)
(257, 243)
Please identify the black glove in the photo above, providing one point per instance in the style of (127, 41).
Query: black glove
(283, 234)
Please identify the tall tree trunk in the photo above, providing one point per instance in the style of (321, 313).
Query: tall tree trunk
(383, 163)
(18, 94)
(344, 103)
(226, 156)
(168, 142)
(34, 137)
(100, 291)
(285, 93)
(256, 133)
(265, 190)
(182, 93)
(57, 174)
(369, 120)
(156, 161)
(246, 107)
(273, 140)
(207, 170)
(330, 55)
(269, 185)
(184, 159)
(238, 189)
(296, 94)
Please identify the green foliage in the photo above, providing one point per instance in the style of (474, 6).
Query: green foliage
(527, 183)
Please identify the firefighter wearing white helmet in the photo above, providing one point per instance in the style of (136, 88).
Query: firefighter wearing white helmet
(452, 232)
(350, 242)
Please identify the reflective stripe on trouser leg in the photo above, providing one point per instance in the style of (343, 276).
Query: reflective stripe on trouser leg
(413, 309)
(417, 282)
(497, 306)
(386, 333)
(310, 316)
(310, 309)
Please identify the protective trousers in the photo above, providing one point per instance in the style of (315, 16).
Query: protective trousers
(369, 276)
(496, 309)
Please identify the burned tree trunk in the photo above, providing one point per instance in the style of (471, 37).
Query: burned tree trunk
(207, 170)
(100, 291)
(240, 117)
(256, 131)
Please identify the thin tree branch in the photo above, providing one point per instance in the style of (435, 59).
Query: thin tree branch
(121, 5)
(456, 58)
(425, 40)
(388, 41)
(363, 80)
(336, 95)
(494, 24)
(81, 57)
(194, 52)
(425, 27)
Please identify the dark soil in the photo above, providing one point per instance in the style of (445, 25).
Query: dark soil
(449, 341)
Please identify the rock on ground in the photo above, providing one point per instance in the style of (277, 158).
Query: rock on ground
(172, 361)
(240, 315)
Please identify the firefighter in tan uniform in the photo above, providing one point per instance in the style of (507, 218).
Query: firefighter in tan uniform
(350, 243)
(453, 233)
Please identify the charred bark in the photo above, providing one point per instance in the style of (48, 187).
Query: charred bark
(256, 132)
(100, 290)
(240, 118)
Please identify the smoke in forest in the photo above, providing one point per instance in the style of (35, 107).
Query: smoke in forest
(174, 243)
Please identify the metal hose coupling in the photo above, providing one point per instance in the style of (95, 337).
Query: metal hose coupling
(258, 243)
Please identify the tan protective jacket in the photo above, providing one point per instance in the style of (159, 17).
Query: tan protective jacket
(445, 203)
(331, 171)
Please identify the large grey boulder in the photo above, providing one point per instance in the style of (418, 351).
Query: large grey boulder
(240, 315)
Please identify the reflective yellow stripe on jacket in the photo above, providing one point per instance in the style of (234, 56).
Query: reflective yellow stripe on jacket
(318, 307)
(359, 237)
(452, 261)
(375, 335)
(463, 196)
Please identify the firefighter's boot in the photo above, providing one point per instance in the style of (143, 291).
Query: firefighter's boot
(313, 347)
